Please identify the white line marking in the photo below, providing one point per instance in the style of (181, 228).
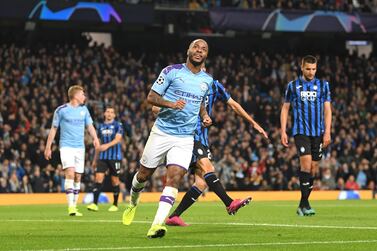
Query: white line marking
(209, 223)
(213, 245)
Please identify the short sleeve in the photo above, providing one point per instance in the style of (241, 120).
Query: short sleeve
(327, 93)
(88, 118)
(56, 119)
(163, 81)
(120, 129)
(222, 94)
(288, 93)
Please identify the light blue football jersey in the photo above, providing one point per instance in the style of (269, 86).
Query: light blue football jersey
(178, 82)
(72, 122)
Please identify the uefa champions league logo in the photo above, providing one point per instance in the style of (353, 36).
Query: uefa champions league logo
(105, 11)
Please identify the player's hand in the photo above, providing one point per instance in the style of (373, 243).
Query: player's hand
(179, 104)
(260, 130)
(96, 143)
(207, 121)
(284, 139)
(326, 139)
(155, 110)
(47, 153)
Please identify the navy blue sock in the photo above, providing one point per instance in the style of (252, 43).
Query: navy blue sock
(96, 192)
(214, 184)
(305, 188)
(188, 199)
(116, 191)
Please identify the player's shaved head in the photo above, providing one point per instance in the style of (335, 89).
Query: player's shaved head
(197, 52)
(198, 40)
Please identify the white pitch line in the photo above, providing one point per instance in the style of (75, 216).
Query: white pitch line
(210, 223)
(214, 245)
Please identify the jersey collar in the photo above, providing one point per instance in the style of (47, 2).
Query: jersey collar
(307, 82)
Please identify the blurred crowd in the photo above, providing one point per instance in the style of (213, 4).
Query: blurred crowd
(33, 82)
(331, 5)
(197, 5)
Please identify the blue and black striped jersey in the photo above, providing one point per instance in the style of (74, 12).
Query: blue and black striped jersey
(307, 99)
(215, 92)
(107, 133)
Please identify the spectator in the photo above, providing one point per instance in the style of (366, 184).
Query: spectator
(242, 159)
(294, 184)
(38, 184)
(3, 185)
(351, 184)
(327, 181)
(14, 183)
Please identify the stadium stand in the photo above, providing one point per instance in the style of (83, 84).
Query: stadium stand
(33, 82)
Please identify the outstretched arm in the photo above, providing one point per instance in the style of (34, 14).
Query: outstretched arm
(241, 112)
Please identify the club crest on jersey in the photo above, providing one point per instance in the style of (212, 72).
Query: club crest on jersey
(82, 113)
(204, 87)
(315, 87)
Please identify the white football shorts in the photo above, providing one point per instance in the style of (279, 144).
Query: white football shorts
(73, 157)
(161, 146)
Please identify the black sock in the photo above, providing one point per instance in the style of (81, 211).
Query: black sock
(96, 192)
(311, 182)
(188, 199)
(215, 185)
(116, 191)
(304, 186)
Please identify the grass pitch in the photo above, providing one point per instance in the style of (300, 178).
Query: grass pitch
(338, 225)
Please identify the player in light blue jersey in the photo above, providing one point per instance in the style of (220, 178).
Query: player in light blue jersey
(202, 166)
(72, 118)
(179, 90)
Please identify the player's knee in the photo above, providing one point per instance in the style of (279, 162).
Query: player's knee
(173, 181)
(99, 178)
(306, 163)
(144, 174)
(115, 181)
(205, 165)
(174, 176)
(77, 177)
(69, 173)
(314, 167)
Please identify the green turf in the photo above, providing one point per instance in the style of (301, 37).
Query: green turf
(338, 225)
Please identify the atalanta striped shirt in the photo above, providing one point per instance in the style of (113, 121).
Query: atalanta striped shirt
(107, 133)
(307, 99)
(216, 91)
